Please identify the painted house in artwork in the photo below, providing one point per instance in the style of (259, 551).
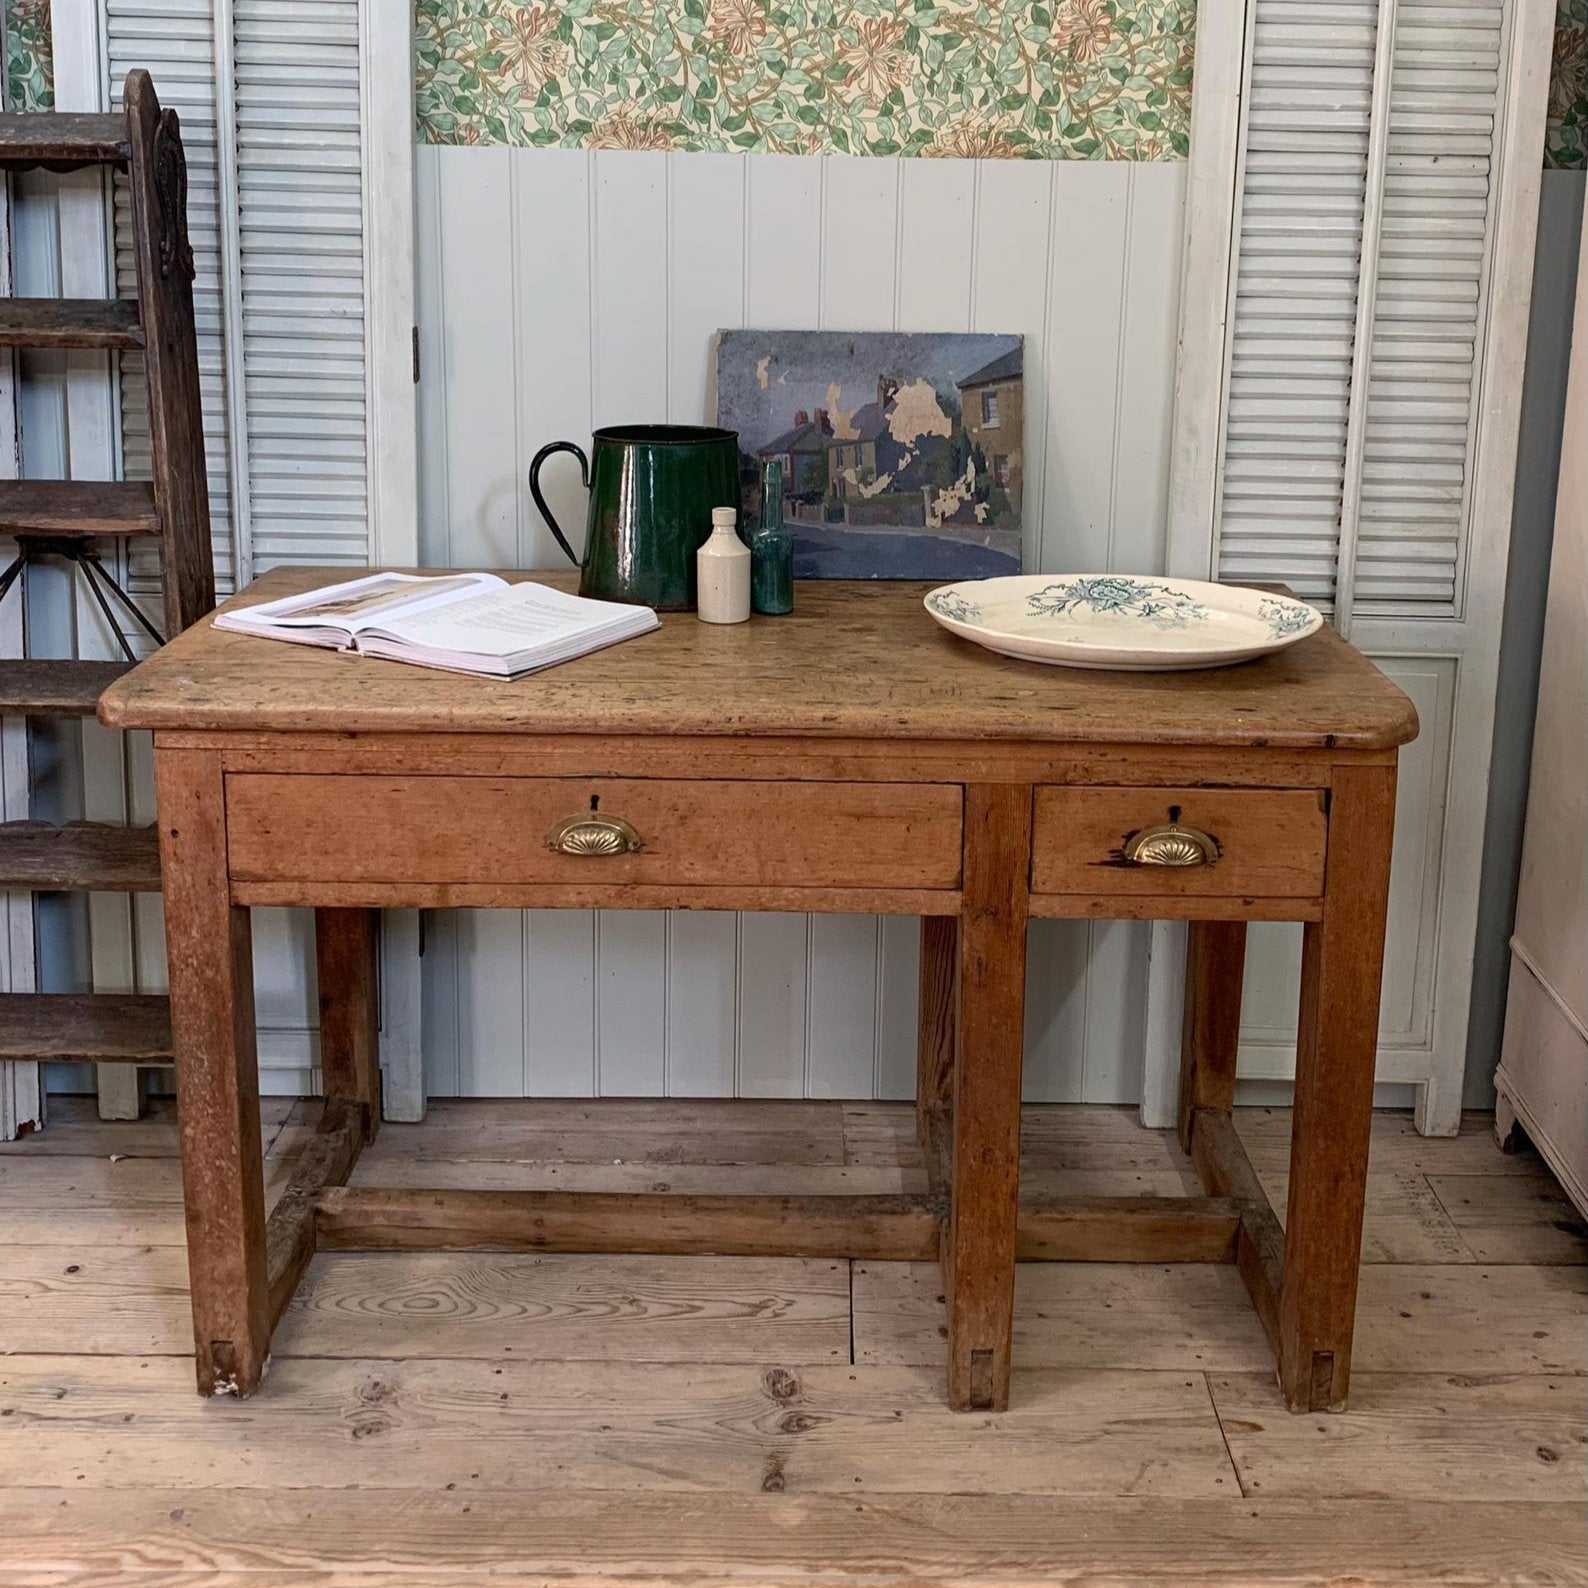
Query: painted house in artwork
(993, 399)
(868, 449)
(802, 450)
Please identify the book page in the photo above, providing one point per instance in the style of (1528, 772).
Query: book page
(505, 621)
(356, 603)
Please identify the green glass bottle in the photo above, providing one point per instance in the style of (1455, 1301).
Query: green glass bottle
(772, 549)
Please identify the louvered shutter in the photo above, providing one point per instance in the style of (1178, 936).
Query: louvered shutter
(285, 408)
(1301, 497)
(1299, 226)
(300, 203)
(1428, 311)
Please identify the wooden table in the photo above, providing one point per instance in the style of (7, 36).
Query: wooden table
(852, 757)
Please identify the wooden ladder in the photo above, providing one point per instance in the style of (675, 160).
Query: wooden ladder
(66, 518)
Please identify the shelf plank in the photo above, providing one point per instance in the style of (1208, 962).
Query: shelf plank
(78, 507)
(100, 1028)
(55, 688)
(63, 141)
(70, 322)
(79, 857)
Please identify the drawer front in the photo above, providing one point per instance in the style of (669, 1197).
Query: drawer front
(282, 827)
(1266, 843)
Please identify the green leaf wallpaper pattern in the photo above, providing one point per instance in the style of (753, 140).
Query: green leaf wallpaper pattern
(1566, 130)
(30, 82)
(1059, 79)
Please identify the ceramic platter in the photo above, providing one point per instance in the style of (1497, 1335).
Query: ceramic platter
(1121, 621)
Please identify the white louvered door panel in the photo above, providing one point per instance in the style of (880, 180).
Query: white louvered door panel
(285, 416)
(1359, 267)
(300, 205)
(1427, 321)
(297, 124)
(174, 40)
(1299, 235)
(1291, 505)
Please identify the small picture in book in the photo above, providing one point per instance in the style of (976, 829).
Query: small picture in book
(903, 453)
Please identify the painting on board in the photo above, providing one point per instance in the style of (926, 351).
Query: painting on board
(903, 453)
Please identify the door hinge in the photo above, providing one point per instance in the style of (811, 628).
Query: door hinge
(416, 355)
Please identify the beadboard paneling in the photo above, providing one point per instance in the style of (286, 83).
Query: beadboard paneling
(562, 289)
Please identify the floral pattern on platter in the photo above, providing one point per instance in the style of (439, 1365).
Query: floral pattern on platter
(30, 60)
(953, 606)
(1285, 618)
(970, 79)
(1566, 120)
(1152, 603)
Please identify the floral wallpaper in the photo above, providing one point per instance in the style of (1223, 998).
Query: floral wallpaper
(1058, 79)
(29, 80)
(1566, 130)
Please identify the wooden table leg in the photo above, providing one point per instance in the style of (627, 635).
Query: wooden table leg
(1215, 967)
(979, 1246)
(934, 1054)
(344, 942)
(209, 951)
(1341, 969)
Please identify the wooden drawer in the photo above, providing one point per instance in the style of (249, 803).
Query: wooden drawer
(495, 830)
(1269, 842)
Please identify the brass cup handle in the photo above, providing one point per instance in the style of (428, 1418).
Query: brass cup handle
(591, 834)
(1172, 845)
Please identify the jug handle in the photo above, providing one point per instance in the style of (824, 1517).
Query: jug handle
(540, 501)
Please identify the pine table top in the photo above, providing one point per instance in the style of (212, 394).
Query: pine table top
(855, 660)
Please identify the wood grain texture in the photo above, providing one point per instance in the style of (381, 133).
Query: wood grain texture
(78, 507)
(349, 999)
(372, 1218)
(598, 895)
(291, 1231)
(935, 760)
(696, 833)
(170, 355)
(133, 1028)
(934, 1048)
(728, 1461)
(1270, 843)
(765, 678)
(79, 857)
(76, 1130)
(979, 1245)
(1126, 1229)
(384, 1537)
(1187, 1316)
(618, 1308)
(55, 688)
(1397, 1145)
(70, 322)
(1342, 962)
(209, 956)
(1215, 968)
(1511, 1218)
(476, 1426)
(62, 142)
(1406, 1436)
(1412, 1317)
(1226, 1171)
(649, 1132)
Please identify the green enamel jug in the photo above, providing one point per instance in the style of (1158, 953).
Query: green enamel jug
(652, 489)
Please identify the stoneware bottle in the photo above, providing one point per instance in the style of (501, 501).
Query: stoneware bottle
(722, 571)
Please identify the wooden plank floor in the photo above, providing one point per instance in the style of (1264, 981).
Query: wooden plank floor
(445, 1418)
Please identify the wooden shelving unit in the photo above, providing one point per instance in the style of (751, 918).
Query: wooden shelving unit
(65, 519)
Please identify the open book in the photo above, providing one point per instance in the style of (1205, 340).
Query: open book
(465, 622)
